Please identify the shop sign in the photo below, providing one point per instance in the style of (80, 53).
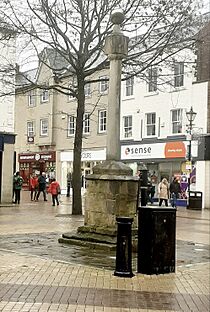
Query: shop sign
(30, 139)
(30, 157)
(87, 155)
(164, 150)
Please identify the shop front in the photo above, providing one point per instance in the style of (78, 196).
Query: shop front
(36, 163)
(164, 159)
(89, 159)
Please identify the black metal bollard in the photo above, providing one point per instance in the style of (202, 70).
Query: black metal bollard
(124, 248)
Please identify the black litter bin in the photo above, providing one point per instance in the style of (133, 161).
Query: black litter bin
(195, 200)
(156, 240)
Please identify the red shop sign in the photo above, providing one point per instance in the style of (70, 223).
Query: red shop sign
(39, 157)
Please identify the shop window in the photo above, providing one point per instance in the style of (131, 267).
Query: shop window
(129, 86)
(150, 124)
(32, 98)
(44, 96)
(127, 124)
(103, 84)
(71, 125)
(178, 74)
(152, 79)
(102, 121)
(176, 118)
(44, 127)
(86, 125)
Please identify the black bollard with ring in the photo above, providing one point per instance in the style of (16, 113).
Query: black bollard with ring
(124, 248)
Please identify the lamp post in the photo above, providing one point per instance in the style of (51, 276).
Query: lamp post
(191, 117)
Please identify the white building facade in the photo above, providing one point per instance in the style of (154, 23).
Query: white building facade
(154, 126)
(7, 104)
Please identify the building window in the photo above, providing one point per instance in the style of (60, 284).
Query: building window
(30, 129)
(152, 79)
(102, 121)
(87, 89)
(32, 98)
(71, 125)
(150, 124)
(127, 124)
(72, 86)
(103, 84)
(86, 125)
(44, 127)
(44, 96)
(178, 74)
(129, 86)
(176, 118)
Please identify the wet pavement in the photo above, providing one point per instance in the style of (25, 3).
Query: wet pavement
(34, 228)
(46, 245)
(37, 274)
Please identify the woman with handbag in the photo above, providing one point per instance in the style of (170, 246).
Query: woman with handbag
(55, 190)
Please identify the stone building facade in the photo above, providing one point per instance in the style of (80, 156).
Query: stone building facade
(153, 123)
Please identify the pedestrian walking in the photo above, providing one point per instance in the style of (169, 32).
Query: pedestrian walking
(42, 186)
(69, 178)
(17, 184)
(175, 191)
(163, 192)
(34, 184)
(55, 190)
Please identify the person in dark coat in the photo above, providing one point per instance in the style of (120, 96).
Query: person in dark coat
(69, 178)
(42, 186)
(17, 185)
(175, 191)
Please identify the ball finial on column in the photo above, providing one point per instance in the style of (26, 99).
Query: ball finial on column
(117, 17)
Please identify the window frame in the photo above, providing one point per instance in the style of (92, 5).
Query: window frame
(32, 98)
(128, 129)
(43, 99)
(152, 79)
(30, 133)
(151, 125)
(103, 84)
(178, 74)
(87, 89)
(176, 124)
(102, 121)
(86, 123)
(42, 120)
(129, 87)
(70, 129)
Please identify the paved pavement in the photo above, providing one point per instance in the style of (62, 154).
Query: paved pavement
(38, 274)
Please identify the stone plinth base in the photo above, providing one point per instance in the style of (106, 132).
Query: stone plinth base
(111, 192)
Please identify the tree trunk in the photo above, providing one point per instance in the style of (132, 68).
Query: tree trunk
(76, 177)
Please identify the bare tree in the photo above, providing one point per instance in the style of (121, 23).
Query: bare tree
(76, 30)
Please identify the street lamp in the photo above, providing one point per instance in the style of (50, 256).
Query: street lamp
(191, 117)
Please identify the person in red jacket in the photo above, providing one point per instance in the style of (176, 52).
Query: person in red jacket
(34, 186)
(54, 189)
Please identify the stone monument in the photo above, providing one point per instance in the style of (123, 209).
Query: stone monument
(112, 188)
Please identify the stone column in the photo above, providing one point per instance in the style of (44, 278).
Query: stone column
(116, 47)
(112, 188)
